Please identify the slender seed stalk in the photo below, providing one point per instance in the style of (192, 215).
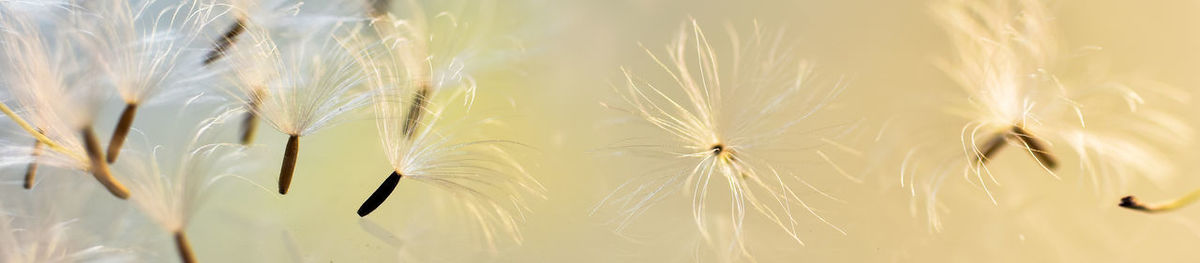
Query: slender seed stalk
(415, 112)
(1039, 150)
(1132, 202)
(227, 40)
(289, 163)
(36, 134)
(381, 194)
(99, 167)
(990, 148)
(184, 248)
(122, 130)
(31, 170)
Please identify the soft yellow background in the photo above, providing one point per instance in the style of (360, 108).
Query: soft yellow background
(551, 100)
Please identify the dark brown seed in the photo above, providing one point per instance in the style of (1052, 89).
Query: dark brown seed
(990, 148)
(227, 40)
(1037, 147)
(31, 170)
(122, 130)
(249, 125)
(289, 163)
(99, 166)
(184, 248)
(415, 112)
(381, 194)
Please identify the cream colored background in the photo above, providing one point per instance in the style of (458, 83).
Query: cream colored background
(551, 99)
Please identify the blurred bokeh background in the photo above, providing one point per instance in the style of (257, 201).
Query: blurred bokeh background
(550, 97)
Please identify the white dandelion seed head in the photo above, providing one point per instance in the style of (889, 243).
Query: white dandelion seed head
(300, 85)
(173, 183)
(719, 120)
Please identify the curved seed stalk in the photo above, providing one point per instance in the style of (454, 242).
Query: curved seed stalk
(1132, 202)
(99, 167)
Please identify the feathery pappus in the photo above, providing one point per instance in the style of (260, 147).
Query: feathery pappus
(173, 184)
(287, 18)
(436, 52)
(54, 222)
(299, 86)
(479, 179)
(146, 57)
(1026, 91)
(725, 120)
(54, 102)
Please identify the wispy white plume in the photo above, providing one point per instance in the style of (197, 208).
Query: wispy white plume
(480, 179)
(173, 184)
(297, 87)
(722, 120)
(55, 93)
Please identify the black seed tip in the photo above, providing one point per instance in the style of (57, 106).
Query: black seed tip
(381, 194)
(1131, 203)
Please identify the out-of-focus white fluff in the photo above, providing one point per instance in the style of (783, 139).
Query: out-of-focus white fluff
(172, 179)
(1014, 72)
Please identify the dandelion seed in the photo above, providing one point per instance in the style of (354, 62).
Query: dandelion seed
(143, 55)
(480, 177)
(172, 190)
(721, 124)
(54, 95)
(297, 87)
